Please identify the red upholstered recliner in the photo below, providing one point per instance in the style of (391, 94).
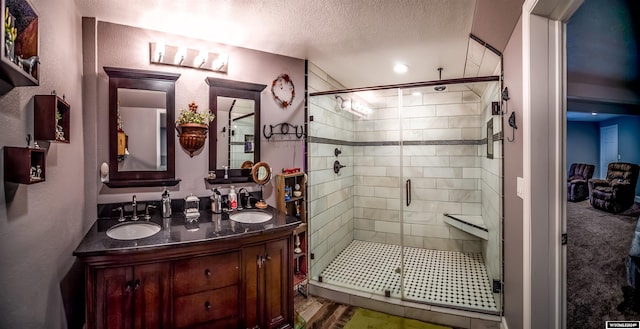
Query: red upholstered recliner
(579, 174)
(616, 193)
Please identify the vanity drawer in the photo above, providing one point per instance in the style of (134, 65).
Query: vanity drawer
(213, 306)
(206, 273)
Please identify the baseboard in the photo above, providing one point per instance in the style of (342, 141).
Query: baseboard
(503, 324)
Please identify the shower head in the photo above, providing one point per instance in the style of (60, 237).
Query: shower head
(442, 87)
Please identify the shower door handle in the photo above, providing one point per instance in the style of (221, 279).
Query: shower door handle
(408, 188)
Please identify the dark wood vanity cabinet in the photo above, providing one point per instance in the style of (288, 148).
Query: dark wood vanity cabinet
(268, 279)
(227, 284)
(206, 291)
(131, 297)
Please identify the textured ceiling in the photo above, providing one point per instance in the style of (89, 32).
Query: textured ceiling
(356, 41)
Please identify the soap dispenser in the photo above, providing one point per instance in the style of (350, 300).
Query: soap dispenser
(166, 204)
(233, 198)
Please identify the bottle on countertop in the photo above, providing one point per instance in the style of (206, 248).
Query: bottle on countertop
(216, 201)
(233, 198)
(166, 204)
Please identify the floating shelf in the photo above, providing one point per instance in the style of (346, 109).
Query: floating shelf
(142, 183)
(26, 45)
(45, 124)
(18, 164)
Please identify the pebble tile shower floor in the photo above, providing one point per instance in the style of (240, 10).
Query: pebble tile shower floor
(440, 277)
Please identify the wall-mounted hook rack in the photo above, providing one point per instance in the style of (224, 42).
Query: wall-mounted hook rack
(284, 130)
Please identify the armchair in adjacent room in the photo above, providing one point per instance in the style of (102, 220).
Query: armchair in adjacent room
(616, 193)
(579, 174)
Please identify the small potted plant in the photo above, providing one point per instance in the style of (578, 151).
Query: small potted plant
(192, 127)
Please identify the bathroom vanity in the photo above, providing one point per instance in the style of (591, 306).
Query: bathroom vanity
(213, 273)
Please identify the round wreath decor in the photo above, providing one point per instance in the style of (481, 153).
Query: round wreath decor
(283, 90)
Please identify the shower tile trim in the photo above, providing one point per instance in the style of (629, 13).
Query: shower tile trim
(321, 140)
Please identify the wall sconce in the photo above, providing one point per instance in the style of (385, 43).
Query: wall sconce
(186, 57)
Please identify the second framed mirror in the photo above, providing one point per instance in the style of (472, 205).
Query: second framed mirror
(235, 133)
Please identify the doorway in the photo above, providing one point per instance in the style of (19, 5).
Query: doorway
(608, 148)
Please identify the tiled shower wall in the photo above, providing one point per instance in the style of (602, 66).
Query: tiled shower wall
(330, 195)
(442, 132)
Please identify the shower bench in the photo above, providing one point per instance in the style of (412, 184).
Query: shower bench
(473, 225)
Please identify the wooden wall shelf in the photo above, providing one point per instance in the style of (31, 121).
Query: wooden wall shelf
(25, 46)
(18, 164)
(292, 205)
(45, 123)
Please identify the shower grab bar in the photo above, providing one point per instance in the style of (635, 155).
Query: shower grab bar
(408, 189)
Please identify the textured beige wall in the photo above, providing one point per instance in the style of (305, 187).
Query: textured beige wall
(513, 168)
(41, 224)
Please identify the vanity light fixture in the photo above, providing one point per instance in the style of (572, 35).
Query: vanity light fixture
(186, 57)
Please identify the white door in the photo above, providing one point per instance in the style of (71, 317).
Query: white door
(608, 148)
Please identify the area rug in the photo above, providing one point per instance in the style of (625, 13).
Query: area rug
(367, 319)
(597, 246)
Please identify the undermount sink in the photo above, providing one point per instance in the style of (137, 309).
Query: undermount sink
(251, 217)
(133, 230)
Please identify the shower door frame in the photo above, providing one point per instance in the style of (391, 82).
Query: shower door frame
(400, 144)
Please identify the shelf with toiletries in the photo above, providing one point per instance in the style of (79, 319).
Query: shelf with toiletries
(291, 194)
(228, 176)
(24, 165)
(291, 200)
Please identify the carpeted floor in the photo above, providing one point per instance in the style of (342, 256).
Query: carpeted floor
(598, 243)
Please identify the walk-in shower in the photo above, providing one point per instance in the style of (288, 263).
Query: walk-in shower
(416, 212)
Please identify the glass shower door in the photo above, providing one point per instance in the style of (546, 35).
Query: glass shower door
(446, 177)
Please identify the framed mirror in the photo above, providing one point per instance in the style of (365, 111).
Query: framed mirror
(236, 128)
(141, 125)
(236, 139)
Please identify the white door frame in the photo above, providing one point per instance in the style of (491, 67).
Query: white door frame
(544, 137)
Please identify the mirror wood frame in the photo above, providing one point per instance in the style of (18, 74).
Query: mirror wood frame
(234, 89)
(142, 80)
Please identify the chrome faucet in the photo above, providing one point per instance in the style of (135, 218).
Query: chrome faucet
(244, 201)
(134, 204)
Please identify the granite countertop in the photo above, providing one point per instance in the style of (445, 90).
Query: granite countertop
(177, 231)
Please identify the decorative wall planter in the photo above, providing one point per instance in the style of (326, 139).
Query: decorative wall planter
(192, 136)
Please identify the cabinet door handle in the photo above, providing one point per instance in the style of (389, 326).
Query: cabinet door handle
(207, 305)
(137, 285)
(260, 260)
(127, 286)
(267, 257)
(207, 272)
